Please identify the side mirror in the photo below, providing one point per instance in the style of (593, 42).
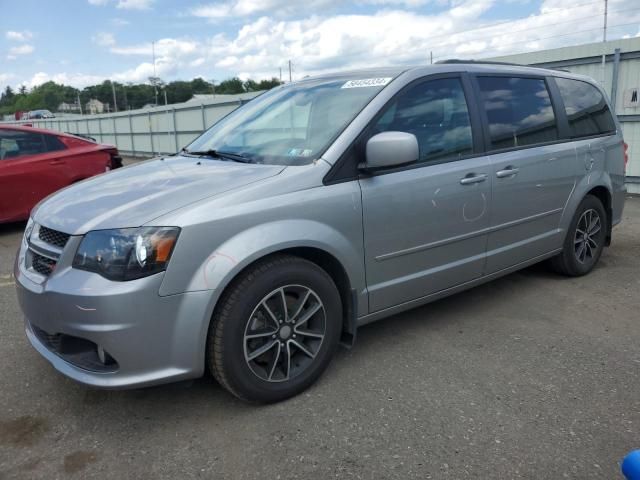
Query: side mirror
(391, 149)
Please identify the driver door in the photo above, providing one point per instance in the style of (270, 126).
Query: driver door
(425, 225)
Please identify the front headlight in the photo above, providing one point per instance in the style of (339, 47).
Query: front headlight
(27, 230)
(127, 253)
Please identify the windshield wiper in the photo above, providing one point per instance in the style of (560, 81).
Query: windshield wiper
(236, 157)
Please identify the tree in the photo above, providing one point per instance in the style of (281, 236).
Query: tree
(50, 95)
(251, 86)
(269, 84)
(201, 86)
(178, 92)
(230, 86)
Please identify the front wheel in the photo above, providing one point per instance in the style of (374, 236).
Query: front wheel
(275, 329)
(585, 239)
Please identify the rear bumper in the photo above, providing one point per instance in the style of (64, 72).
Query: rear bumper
(151, 339)
(617, 204)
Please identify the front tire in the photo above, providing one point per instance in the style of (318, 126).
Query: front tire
(275, 329)
(585, 239)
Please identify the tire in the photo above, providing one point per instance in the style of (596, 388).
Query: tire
(579, 256)
(258, 352)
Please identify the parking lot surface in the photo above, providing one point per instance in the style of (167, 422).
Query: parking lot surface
(532, 376)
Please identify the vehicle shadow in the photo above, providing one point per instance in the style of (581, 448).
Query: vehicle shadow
(12, 228)
(197, 397)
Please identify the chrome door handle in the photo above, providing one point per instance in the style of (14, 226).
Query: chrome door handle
(507, 172)
(471, 178)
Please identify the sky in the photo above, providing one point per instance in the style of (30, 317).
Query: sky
(82, 42)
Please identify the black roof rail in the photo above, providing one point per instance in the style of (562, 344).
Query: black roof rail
(480, 62)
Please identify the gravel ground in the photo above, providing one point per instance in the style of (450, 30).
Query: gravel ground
(532, 376)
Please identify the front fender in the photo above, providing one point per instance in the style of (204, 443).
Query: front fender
(239, 251)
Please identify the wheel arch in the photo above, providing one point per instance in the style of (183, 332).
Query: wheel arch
(327, 262)
(603, 194)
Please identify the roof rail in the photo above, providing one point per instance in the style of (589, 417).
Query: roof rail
(481, 62)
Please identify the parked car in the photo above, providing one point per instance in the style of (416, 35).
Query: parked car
(38, 114)
(35, 163)
(314, 209)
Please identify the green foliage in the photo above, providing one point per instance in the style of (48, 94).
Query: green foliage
(50, 95)
(230, 86)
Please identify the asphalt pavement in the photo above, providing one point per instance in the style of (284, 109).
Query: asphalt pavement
(531, 376)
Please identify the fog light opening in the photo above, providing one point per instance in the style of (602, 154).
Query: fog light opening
(101, 355)
(104, 357)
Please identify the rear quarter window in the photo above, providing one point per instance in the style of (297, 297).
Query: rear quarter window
(53, 143)
(586, 108)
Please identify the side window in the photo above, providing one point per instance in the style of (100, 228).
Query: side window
(586, 108)
(8, 147)
(519, 111)
(436, 113)
(14, 143)
(53, 143)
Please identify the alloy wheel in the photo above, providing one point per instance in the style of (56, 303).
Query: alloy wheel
(585, 240)
(284, 333)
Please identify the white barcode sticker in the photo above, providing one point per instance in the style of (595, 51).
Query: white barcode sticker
(367, 82)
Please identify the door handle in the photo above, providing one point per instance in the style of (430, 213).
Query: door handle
(507, 172)
(57, 162)
(472, 178)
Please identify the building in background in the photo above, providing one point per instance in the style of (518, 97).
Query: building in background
(69, 107)
(620, 78)
(94, 106)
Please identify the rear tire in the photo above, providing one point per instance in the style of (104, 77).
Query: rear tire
(275, 329)
(585, 239)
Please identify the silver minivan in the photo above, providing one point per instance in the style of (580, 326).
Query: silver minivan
(316, 208)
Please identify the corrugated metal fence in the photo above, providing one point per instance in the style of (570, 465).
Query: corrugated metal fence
(150, 131)
(620, 75)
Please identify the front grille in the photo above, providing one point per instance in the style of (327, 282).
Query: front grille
(42, 265)
(53, 237)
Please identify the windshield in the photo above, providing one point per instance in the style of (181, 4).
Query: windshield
(292, 124)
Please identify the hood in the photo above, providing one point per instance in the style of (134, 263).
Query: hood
(133, 196)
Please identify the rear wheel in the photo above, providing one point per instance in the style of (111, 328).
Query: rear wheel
(585, 239)
(275, 329)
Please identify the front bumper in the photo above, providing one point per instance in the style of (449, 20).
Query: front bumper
(150, 338)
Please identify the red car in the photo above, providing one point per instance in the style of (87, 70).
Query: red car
(36, 162)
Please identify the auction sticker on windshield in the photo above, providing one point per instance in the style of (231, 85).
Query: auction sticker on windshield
(367, 82)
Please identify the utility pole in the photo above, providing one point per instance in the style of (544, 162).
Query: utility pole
(431, 56)
(290, 72)
(115, 103)
(604, 41)
(155, 87)
(280, 74)
(79, 104)
(165, 96)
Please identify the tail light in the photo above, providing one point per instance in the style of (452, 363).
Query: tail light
(626, 156)
(116, 160)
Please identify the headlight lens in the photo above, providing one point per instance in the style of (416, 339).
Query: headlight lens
(28, 229)
(127, 253)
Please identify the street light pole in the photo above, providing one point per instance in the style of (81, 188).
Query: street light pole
(115, 103)
(604, 42)
(155, 86)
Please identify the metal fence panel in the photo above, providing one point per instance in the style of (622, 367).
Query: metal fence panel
(147, 132)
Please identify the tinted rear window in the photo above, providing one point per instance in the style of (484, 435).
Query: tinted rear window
(586, 108)
(519, 111)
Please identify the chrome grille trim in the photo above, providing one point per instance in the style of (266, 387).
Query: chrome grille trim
(45, 247)
(43, 265)
(53, 237)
